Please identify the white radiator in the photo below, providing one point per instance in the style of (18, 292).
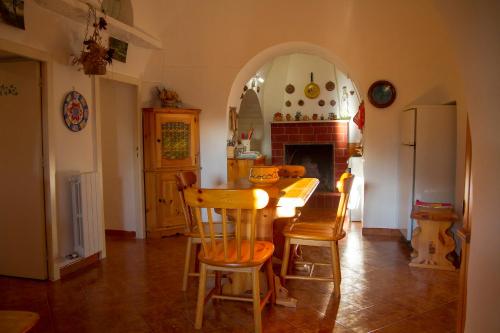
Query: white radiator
(87, 217)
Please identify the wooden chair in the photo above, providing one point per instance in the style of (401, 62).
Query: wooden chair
(292, 171)
(320, 234)
(240, 253)
(187, 179)
(17, 321)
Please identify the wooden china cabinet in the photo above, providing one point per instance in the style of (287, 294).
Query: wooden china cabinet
(171, 144)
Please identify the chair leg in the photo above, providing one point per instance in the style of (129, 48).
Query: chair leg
(270, 280)
(187, 262)
(256, 300)
(197, 249)
(284, 263)
(201, 297)
(336, 267)
(295, 255)
(218, 285)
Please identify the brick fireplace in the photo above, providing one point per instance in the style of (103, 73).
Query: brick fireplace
(310, 133)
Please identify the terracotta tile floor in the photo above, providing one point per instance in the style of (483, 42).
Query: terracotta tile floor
(137, 289)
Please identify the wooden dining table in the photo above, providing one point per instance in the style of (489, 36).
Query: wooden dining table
(285, 196)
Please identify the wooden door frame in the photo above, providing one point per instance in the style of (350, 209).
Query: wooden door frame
(138, 167)
(48, 145)
(464, 233)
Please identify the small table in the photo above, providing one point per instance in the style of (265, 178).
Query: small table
(431, 240)
(284, 197)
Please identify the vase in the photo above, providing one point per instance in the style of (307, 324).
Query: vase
(264, 175)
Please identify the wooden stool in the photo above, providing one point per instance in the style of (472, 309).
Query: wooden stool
(431, 240)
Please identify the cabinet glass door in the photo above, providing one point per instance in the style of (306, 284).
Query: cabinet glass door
(175, 140)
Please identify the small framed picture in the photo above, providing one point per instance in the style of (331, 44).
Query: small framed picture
(381, 94)
(120, 49)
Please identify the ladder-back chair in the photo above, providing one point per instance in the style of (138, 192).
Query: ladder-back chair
(238, 253)
(187, 179)
(184, 180)
(320, 234)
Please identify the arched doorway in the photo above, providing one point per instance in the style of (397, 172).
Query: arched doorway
(296, 63)
(250, 119)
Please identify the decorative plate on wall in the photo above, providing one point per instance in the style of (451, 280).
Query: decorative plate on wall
(300, 102)
(333, 102)
(290, 88)
(330, 86)
(75, 111)
(288, 103)
(381, 93)
(321, 102)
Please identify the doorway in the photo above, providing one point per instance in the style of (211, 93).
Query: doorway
(119, 155)
(22, 203)
(250, 119)
(464, 233)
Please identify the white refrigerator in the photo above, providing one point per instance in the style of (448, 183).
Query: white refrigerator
(427, 158)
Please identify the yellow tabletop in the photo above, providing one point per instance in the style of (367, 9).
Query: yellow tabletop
(287, 192)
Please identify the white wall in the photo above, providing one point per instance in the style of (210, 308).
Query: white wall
(474, 29)
(119, 142)
(298, 74)
(272, 92)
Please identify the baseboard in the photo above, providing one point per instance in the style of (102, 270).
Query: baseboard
(78, 265)
(381, 232)
(120, 233)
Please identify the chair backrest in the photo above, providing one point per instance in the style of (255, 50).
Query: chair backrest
(292, 171)
(184, 180)
(236, 202)
(344, 186)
